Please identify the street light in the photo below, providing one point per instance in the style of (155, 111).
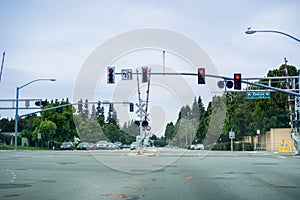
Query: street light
(296, 138)
(250, 31)
(17, 106)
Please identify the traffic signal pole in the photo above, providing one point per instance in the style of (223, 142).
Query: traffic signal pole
(295, 135)
(243, 80)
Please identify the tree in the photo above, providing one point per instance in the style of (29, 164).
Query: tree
(195, 112)
(112, 117)
(101, 116)
(94, 113)
(47, 129)
(131, 128)
(170, 131)
(90, 131)
(7, 125)
(29, 125)
(86, 111)
(63, 119)
(80, 107)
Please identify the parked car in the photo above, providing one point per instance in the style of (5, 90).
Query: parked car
(199, 147)
(111, 146)
(83, 146)
(133, 145)
(91, 146)
(102, 144)
(192, 147)
(67, 146)
(125, 146)
(118, 144)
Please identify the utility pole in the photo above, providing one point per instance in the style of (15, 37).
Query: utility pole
(231, 137)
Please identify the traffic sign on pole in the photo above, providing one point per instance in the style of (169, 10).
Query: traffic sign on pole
(258, 95)
(126, 74)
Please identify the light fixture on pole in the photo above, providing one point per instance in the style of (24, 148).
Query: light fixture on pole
(17, 106)
(250, 31)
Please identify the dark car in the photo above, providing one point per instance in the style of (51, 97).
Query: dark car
(67, 146)
(83, 146)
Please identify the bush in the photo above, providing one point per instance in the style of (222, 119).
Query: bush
(226, 146)
(248, 147)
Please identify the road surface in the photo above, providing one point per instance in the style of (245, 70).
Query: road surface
(162, 174)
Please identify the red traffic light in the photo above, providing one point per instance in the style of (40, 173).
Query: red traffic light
(237, 80)
(110, 75)
(144, 74)
(237, 76)
(201, 75)
(201, 71)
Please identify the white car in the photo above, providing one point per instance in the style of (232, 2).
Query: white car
(102, 144)
(199, 147)
(133, 146)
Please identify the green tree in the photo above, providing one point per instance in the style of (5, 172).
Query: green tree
(101, 116)
(170, 131)
(90, 131)
(112, 117)
(93, 113)
(29, 124)
(47, 129)
(63, 119)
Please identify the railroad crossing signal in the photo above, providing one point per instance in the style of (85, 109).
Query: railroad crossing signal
(144, 74)
(145, 123)
(110, 75)
(201, 75)
(237, 80)
(137, 122)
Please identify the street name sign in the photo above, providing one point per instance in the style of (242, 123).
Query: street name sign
(258, 95)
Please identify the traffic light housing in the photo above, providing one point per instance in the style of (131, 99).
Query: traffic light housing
(229, 84)
(111, 108)
(144, 74)
(131, 107)
(237, 80)
(137, 122)
(201, 75)
(145, 123)
(98, 107)
(41, 103)
(110, 75)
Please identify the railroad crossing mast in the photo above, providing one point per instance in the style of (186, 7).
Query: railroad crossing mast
(142, 113)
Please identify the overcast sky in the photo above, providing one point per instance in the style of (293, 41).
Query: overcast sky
(52, 39)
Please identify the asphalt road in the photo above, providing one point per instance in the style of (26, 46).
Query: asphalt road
(164, 174)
